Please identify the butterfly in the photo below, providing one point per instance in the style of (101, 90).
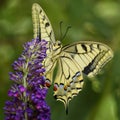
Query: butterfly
(72, 61)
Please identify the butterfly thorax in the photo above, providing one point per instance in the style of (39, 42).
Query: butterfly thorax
(56, 49)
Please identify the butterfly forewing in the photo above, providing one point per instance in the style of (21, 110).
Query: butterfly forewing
(89, 56)
(41, 25)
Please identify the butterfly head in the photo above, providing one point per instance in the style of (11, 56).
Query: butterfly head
(57, 45)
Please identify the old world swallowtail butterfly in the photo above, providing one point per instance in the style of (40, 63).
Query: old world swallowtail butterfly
(74, 60)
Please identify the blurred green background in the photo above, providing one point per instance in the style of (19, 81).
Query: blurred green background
(96, 20)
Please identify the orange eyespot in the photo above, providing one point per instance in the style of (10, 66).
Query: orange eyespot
(65, 88)
(47, 84)
(55, 87)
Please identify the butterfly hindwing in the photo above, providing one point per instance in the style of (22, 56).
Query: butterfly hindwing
(68, 81)
(49, 72)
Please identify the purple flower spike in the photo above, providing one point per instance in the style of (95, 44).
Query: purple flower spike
(28, 92)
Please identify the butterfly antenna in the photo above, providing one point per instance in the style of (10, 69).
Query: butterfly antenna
(66, 32)
(61, 22)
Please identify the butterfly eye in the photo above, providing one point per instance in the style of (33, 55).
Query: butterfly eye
(59, 43)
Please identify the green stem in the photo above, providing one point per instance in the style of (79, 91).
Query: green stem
(25, 85)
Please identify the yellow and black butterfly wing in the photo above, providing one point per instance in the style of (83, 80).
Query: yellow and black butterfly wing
(89, 56)
(49, 72)
(41, 25)
(69, 80)
(82, 57)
